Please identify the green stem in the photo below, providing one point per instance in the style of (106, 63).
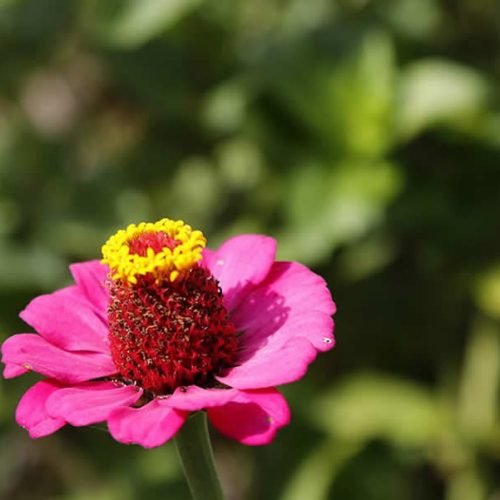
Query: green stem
(195, 452)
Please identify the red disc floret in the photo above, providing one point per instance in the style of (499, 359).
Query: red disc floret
(156, 240)
(170, 334)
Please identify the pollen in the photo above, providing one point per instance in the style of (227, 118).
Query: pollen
(163, 250)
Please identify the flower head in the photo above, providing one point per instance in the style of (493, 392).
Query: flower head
(162, 327)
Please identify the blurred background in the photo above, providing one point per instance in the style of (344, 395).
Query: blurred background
(363, 134)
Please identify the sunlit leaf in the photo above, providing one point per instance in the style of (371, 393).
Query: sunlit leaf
(129, 23)
(225, 107)
(478, 408)
(418, 19)
(487, 291)
(365, 407)
(330, 206)
(349, 104)
(466, 484)
(437, 91)
(317, 472)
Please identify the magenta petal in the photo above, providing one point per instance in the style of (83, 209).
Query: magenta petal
(12, 371)
(90, 402)
(31, 412)
(194, 398)
(91, 278)
(290, 291)
(240, 263)
(67, 320)
(253, 417)
(284, 321)
(33, 352)
(281, 365)
(315, 326)
(149, 426)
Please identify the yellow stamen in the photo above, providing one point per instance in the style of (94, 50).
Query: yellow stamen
(165, 264)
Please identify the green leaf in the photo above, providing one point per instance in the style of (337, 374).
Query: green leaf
(487, 292)
(315, 475)
(130, 23)
(372, 406)
(349, 105)
(436, 91)
(478, 402)
(329, 206)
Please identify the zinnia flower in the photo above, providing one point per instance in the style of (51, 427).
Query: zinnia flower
(162, 327)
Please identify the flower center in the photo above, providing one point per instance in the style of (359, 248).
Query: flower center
(156, 241)
(168, 326)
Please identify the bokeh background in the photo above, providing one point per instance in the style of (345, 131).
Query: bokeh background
(363, 134)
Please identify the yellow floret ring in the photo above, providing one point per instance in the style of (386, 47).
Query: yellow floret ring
(182, 250)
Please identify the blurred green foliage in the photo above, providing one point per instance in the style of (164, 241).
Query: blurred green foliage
(363, 134)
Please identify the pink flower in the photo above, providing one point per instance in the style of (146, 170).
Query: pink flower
(142, 342)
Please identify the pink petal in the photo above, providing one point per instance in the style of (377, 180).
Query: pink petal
(253, 417)
(239, 264)
(90, 402)
(290, 290)
(33, 352)
(66, 319)
(194, 398)
(149, 426)
(270, 367)
(91, 278)
(32, 414)
(12, 371)
(315, 326)
(284, 321)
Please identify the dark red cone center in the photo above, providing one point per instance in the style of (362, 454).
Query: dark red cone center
(171, 334)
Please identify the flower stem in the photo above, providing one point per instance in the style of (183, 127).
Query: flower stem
(195, 452)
